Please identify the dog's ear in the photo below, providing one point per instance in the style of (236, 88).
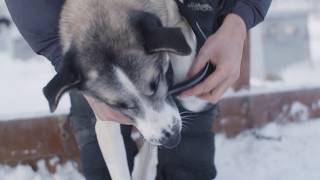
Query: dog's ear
(158, 38)
(67, 78)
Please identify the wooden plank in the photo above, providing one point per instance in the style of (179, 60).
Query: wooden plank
(233, 116)
(254, 111)
(286, 106)
(27, 141)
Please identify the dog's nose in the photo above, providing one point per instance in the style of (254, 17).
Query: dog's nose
(170, 140)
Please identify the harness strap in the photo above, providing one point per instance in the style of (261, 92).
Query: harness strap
(205, 17)
(177, 89)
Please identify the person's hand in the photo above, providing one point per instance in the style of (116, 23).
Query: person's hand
(224, 50)
(106, 113)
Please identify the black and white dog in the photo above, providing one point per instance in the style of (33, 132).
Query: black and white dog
(119, 51)
(5, 21)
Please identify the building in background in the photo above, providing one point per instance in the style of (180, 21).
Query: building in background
(287, 37)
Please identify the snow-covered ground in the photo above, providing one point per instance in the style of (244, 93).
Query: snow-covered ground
(290, 152)
(281, 152)
(24, 172)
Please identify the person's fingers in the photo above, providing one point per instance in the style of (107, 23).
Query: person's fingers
(215, 94)
(208, 84)
(199, 63)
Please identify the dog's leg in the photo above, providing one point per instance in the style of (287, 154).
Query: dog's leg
(113, 150)
(145, 163)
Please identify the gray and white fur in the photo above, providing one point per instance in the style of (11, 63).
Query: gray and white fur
(119, 51)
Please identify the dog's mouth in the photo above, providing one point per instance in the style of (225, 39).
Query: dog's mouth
(169, 141)
(172, 142)
(160, 130)
(167, 138)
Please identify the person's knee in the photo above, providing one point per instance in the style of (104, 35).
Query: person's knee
(193, 159)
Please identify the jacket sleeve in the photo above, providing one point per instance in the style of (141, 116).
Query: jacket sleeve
(252, 11)
(37, 21)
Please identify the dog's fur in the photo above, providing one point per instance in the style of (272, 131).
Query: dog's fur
(118, 51)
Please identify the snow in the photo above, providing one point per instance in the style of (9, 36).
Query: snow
(306, 72)
(23, 75)
(289, 152)
(67, 171)
(295, 112)
(299, 110)
(302, 75)
(314, 28)
(275, 152)
(21, 90)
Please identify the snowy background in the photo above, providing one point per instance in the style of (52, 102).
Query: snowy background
(291, 153)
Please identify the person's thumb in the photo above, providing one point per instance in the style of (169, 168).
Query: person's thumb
(198, 64)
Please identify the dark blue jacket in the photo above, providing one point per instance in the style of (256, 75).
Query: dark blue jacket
(37, 21)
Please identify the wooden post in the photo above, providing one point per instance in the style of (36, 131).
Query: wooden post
(244, 79)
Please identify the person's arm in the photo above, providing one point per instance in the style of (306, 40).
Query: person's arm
(37, 21)
(251, 11)
(224, 49)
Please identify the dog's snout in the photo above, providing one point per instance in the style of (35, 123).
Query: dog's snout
(161, 127)
(167, 134)
(171, 139)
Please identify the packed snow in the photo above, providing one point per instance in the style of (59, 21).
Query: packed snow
(67, 171)
(281, 152)
(275, 152)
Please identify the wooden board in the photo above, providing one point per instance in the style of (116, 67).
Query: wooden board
(28, 140)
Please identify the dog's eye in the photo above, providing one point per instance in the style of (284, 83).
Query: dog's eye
(123, 105)
(155, 84)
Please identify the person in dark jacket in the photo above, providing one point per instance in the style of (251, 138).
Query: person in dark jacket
(220, 26)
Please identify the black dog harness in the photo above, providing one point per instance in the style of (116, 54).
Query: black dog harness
(176, 89)
(204, 17)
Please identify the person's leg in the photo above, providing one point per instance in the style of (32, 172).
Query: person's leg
(82, 121)
(193, 158)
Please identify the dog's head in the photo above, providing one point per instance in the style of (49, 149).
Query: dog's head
(127, 72)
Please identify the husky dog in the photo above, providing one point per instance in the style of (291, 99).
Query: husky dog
(5, 21)
(119, 51)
